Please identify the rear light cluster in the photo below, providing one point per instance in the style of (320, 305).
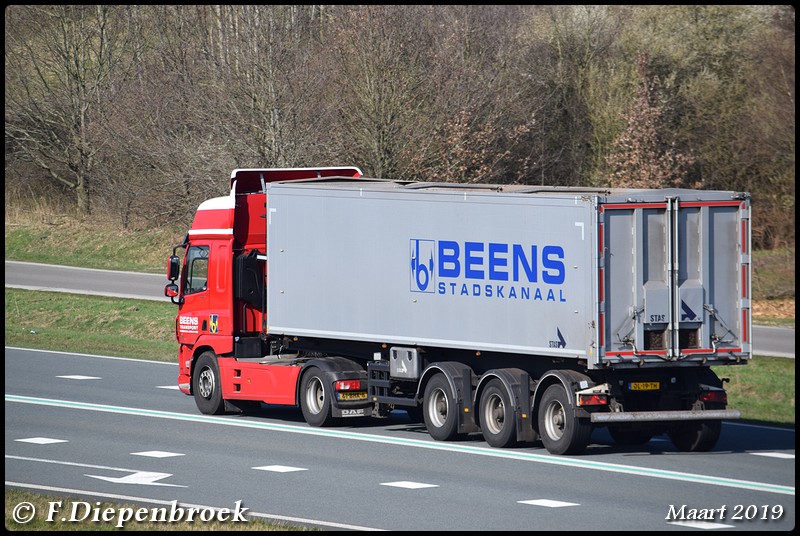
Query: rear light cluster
(717, 396)
(593, 400)
(348, 385)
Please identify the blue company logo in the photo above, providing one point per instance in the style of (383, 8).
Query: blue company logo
(213, 323)
(488, 269)
(422, 267)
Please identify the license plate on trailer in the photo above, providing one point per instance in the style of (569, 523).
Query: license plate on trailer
(361, 395)
(644, 386)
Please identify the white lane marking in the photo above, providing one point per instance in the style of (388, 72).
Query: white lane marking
(169, 503)
(549, 503)
(409, 485)
(279, 468)
(782, 455)
(576, 463)
(139, 478)
(171, 387)
(73, 354)
(78, 268)
(701, 525)
(79, 377)
(157, 454)
(42, 440)
(90, 293)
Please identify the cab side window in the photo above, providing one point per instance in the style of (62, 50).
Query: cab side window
(196, 269)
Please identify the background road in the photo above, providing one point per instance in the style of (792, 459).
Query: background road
(768, 341)
(73, 427)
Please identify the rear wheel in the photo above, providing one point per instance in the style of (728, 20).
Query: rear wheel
(440, 409)
(695, 436)
(497, 415)
(206, 385)
(561, 431)
(315, 398)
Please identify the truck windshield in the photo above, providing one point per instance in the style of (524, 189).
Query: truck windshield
(196, 269)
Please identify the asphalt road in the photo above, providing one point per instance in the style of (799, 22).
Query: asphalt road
(117, 429)
(768, 341)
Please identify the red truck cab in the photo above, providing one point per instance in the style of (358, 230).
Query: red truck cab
(219, 287)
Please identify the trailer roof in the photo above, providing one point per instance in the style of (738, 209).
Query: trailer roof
(608, 194)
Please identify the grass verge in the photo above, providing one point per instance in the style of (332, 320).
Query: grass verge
(91, 324)
(763, 390)
(68, 242)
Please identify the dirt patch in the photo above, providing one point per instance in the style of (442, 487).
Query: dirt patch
(773, 309)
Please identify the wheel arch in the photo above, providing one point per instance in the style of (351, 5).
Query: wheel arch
(567, 378)
(333, 368)
(517, 384)
(196, 353)
(459, 376)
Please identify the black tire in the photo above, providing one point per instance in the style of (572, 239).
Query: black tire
(440, 409)
(695, 436)
(561, 431)
(206, 385)
(496, 414)
(315, 398)
(629, 436)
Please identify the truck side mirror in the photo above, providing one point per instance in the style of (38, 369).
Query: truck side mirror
(171, 290)
(173, 267)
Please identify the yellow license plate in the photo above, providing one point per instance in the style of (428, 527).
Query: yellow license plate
(644, 386)
(361, 395)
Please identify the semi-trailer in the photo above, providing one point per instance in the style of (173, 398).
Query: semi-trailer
(521, 312)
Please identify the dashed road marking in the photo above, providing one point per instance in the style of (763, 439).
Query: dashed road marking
(280, 468)
(781, 455)
(409, 485)
(42, 440)
(549, 503)
(706, 525)
(157, 454)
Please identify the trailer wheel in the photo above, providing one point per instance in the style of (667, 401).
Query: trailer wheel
(497, 415)
(315, 398)
(206, 385)
(440, 409)
(629, 436)
(561, 431)
(695, 436)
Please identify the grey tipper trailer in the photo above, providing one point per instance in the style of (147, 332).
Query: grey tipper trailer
(520, 312)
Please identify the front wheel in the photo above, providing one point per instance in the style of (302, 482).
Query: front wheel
(695, 436)
(315, 398)
(206, 385)
(497, 416)
(562, 432)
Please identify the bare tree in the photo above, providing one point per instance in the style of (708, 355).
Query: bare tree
(641, 159)
(58, 68)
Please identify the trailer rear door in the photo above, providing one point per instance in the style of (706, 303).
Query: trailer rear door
(674, 280)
